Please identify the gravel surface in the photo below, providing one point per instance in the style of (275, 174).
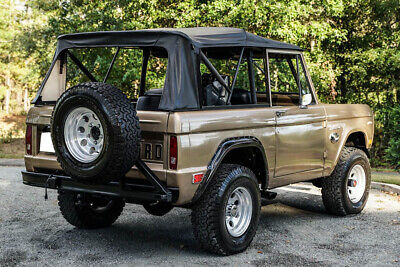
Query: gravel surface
(294, 230)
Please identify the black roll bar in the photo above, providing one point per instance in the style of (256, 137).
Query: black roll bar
(214, 71)
(251, 77)
(146, 55)
(111, 65)
(236, 74)
(80, 65)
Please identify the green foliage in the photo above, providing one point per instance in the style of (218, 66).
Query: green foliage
(393, 150)
(351, 47)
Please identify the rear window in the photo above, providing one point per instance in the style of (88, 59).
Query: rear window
(125, 73)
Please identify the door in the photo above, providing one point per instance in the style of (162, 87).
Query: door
(300, 120)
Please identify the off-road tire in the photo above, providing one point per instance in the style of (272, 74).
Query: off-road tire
(82, 216)
(208, 214)
(334, 187)
(121, 132)
(158, 209)
(317, 182)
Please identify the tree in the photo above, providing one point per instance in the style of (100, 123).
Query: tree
(352, 47)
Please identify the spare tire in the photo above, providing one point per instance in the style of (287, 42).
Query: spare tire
(95, 133)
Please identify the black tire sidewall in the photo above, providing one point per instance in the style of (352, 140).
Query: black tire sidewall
(84, 217)
(353, 208)
(159, 209)
(242, 179)
(74, 166)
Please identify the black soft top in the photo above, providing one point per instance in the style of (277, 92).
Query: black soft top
(183, 47)
(201, 37)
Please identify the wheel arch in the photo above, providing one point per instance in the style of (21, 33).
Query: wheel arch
(355, 138)
(358, 139)
(231, 151)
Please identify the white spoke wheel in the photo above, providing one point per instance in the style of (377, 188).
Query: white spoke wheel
(83, 134)
(356, 183)
(238, 212)
(225, 218)
(346, 190)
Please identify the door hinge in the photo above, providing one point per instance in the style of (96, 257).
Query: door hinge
(325, 154)
(324, 124)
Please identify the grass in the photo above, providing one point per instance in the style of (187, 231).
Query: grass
(381, 169)
(11, 156)
(389, 178)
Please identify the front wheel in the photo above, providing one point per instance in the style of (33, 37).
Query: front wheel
(225, 218)
(346, 190)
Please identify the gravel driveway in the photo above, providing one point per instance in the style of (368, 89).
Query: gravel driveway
(294, 230)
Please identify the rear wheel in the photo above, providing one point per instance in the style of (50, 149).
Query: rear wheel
(346, 191)
(225, 218)
(158, 208)
(89, 211)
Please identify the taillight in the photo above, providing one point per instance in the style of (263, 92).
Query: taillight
(173, 152)
(28, 139)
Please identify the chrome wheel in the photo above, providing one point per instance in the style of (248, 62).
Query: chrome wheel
(83, 134)
(356, 183)
(238, 212)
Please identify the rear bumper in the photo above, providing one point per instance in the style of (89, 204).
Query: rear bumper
(131, 192)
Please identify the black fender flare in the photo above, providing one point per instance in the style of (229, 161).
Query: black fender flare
(223, 149)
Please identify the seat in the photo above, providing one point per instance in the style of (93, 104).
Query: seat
(150, 100)
(240, 97)
(285, 99)
(214, 92)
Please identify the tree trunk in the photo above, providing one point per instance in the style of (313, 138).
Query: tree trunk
(8, 93)
(19, 101)
(26, 100)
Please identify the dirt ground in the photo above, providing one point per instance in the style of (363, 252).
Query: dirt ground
(12, 133)
(294, 230)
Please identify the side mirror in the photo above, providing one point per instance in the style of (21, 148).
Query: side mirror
(306, 99)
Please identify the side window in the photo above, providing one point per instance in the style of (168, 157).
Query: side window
(305, 86)
(283, 80)
(156, 71)
(215, 94)
(288, 80)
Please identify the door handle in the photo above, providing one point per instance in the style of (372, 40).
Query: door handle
(280, 113)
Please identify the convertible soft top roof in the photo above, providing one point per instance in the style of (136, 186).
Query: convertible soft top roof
(201, 37)
(183, 45)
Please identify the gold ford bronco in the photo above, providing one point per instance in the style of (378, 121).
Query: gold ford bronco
(236, 116)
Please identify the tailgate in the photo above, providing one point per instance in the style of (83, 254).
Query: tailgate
(153, 125)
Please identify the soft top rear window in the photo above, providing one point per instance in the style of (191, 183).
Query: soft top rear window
(126, 70)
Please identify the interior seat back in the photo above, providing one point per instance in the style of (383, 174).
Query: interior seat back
(150, 100)
(285, 99)
(240, 97)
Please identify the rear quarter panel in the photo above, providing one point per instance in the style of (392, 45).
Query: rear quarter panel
(201, 132)
(346, 119)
